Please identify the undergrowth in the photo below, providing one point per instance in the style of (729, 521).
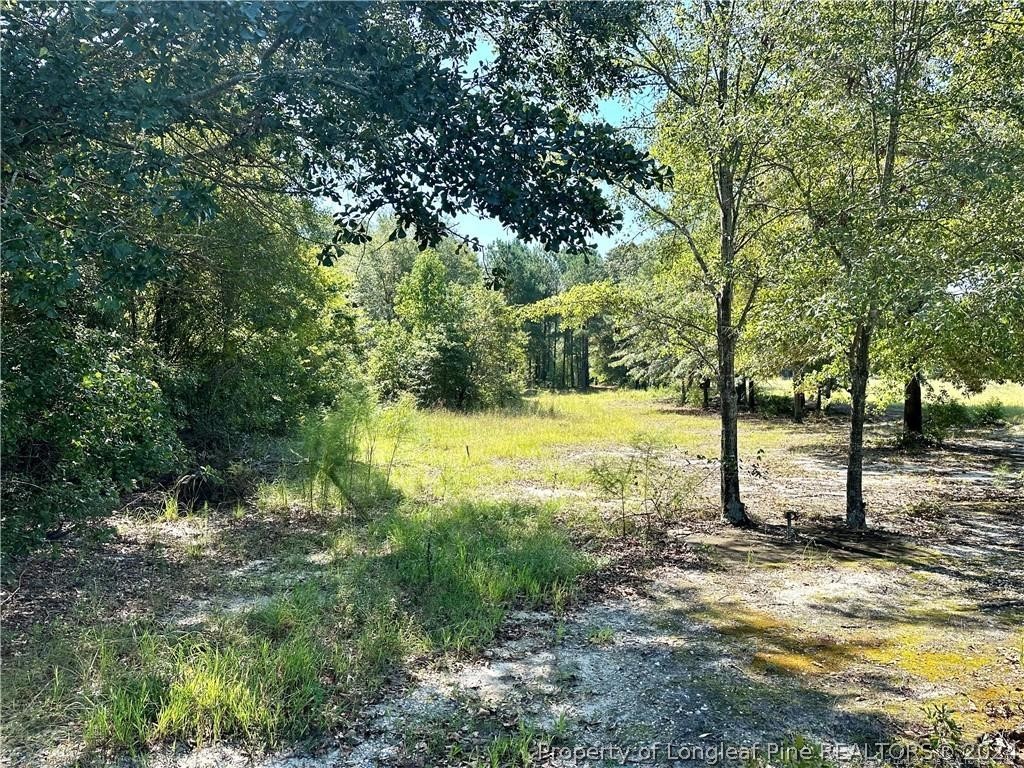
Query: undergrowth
(419, 579)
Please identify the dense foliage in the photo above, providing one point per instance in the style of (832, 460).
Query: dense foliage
(449, 344)
(166, 296)
(221, 218)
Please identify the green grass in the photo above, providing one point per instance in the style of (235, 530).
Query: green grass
(551, 441)
(882, 395)
(601, 635)
(249, 688)
(430, 569)
(1009, 395)
(418, 579)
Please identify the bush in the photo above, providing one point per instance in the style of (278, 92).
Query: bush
(450, 346)
(330, 447)
(109, 380)
(774, 405)
(947, 417)
(282, 346)
(439, 371)
(645, 485)
(89, 425)
(350, 449)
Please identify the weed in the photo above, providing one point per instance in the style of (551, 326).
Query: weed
(170, 507)
(464, 563)
(513, 750)
(948, 416)
(601, 635)
(559, 632)
(330, 449)
(560, 726)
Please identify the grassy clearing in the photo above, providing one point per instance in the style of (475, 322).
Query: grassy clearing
(553, 440)
(428, 569)
(883, 395)
(431, 566)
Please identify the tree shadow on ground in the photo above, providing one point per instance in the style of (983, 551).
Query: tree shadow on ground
(952, 511)
(712, 673)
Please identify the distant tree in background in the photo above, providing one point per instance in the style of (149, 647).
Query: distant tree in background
(449, 344)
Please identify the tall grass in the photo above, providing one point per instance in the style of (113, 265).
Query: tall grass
(463, 565)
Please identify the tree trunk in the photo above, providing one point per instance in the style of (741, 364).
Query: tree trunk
(732, 507)
(913, 413)
(553, 358)
(570, 359)
(705, 386)
(751, 396)
(798, 400)
(817, 400)
(542, 374)
(856, 516)
(584, 379)
(563, 375)
(741, 391)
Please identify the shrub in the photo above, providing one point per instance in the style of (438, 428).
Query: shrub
(350, 449)
(450, 346)
(946, 417)
(772, 405)
(330, 444)
(644, 484)
(89, 426)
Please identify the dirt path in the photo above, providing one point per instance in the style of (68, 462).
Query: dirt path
(839, 638)
(837, 651)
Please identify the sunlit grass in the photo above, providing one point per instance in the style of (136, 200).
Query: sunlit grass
(416, 578)
(552, 440)
(884, 394)
(1010, 395)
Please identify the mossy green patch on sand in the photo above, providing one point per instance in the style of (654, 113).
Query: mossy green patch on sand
(784, 648)
(921, 652)
(787, 663)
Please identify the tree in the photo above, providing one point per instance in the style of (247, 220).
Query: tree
(449, 345)
(130, 129)
(665, 329)
(368, 104)
(575, 309)
(525, 275)
(879, 185)
(722, 70)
